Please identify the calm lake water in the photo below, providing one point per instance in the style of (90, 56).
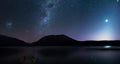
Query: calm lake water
(59, 55)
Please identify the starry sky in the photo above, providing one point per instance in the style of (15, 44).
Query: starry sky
(30, 20)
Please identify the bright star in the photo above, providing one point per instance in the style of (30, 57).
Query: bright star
(106, 20)
(117, 1)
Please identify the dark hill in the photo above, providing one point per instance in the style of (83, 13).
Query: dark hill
(65, 40)
(55, 40)
(9, 41)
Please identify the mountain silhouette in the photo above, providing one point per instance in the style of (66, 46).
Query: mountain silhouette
(65, 40)
(9, 41)
(55, 40)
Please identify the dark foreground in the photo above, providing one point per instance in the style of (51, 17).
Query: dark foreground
(59, 55)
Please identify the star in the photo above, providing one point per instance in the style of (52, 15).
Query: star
(106, 20)
(117, 1)
(9, 24)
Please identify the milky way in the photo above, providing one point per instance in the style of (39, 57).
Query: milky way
(30, 20)
(49, 7)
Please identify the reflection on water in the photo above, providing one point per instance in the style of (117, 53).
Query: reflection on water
(100, 57)
(59, 55)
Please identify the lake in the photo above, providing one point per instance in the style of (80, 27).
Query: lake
(59, 55)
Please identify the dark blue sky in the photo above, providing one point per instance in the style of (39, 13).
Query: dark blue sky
(29, 20)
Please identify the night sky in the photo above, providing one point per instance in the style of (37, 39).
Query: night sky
(30, 20)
